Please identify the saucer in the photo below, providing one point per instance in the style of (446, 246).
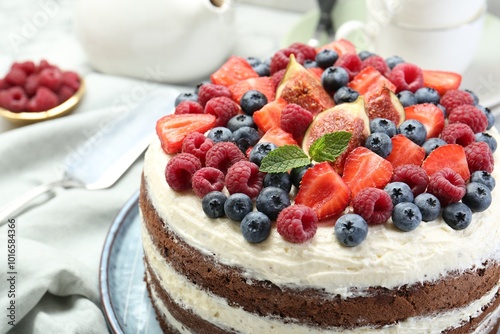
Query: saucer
(482, 76)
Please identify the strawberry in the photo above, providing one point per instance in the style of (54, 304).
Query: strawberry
(278, 137)
(172, 129)
(429, 115)
(452, 156)
(232, 71)
(341, 46)
(364, 168)
(369, 81)
(441, 81)
(262, 84)
(269, 116)
(405, 152)
(323, 190)
(317, 71)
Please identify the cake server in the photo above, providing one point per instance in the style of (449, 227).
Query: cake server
(325, 28)
(106, 156)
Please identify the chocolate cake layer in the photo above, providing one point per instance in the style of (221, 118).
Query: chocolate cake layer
(313, 307)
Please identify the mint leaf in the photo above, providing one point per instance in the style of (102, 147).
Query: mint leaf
(329, 146)
(283, 159)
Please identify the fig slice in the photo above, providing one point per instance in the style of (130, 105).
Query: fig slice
(385, 104)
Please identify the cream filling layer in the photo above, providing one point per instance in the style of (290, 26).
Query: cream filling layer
(216, 310)
(387, 258)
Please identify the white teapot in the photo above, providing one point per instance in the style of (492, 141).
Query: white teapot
(172, 41)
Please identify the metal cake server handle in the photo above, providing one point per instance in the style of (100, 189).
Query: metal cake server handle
(324, 29)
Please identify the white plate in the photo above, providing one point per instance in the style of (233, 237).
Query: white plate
(482, 76)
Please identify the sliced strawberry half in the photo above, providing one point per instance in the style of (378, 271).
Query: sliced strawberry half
(369, 81)
(452, 156)
(262, 84)
(317, 71)
(269, 116)
(323, 190)
(278, 137)
(232, 71)
(172, 129)
(441, 81)
(429, 115)
(341, 46)
(405, 152)
(364, 168)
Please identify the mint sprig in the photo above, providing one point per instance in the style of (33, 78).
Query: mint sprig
(326, 148)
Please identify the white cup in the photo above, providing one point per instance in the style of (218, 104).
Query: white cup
(447, 49)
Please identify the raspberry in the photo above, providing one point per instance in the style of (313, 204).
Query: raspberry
(71, 79)
(479, 157)
(28, 67)
(454, 98)
(458, 133)
(277, 77)
(13, 99)
(180, 170)
(281, 58)
(351, 63)
(64, 93)
(378, 63)
(207, 179)
(297, 223)
(50, 78)
(188, 107)
(4, 84)
(197, 144)
(373, 204)
(209, 91)
(43, 100)
(308, 51)
(223, 108)
(295, 120)
(223, 155)
(414, 176)
(16, 77)
(244, 177)
(407, 76)
(469, 115)
(31, 84)
(447, 185)
(43, 65)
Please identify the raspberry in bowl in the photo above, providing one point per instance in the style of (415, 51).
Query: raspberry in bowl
(32, 92)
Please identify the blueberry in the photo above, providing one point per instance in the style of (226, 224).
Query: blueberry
(252, 101)
(379, 143)
(253, 61)
(245, 137)
(489, 116)
(488, 139)
(220, 134)
(326, 58)
(271, 201)
(297, 173)
(477, 197)
(237, 206)
(255, 227)
(197, 88)
(262, 69)
(259, 151)
(474, 96)
(431, 144)
(406, 216)
(185, 97)
(309, 63)
(280, 180)
(393, 61)
(407, 98)
(427, 95)
(345, 95)
(483, 177)
(333, 78)
(399, 192)
(443, 109)
(351, 229)
(413, 130)
(213, 204)
(240, 121)
(457, 215)
(429, 206)
(383, 125)
(365, 54)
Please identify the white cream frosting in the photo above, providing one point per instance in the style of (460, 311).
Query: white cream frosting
(217, 311)
(387, 258)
